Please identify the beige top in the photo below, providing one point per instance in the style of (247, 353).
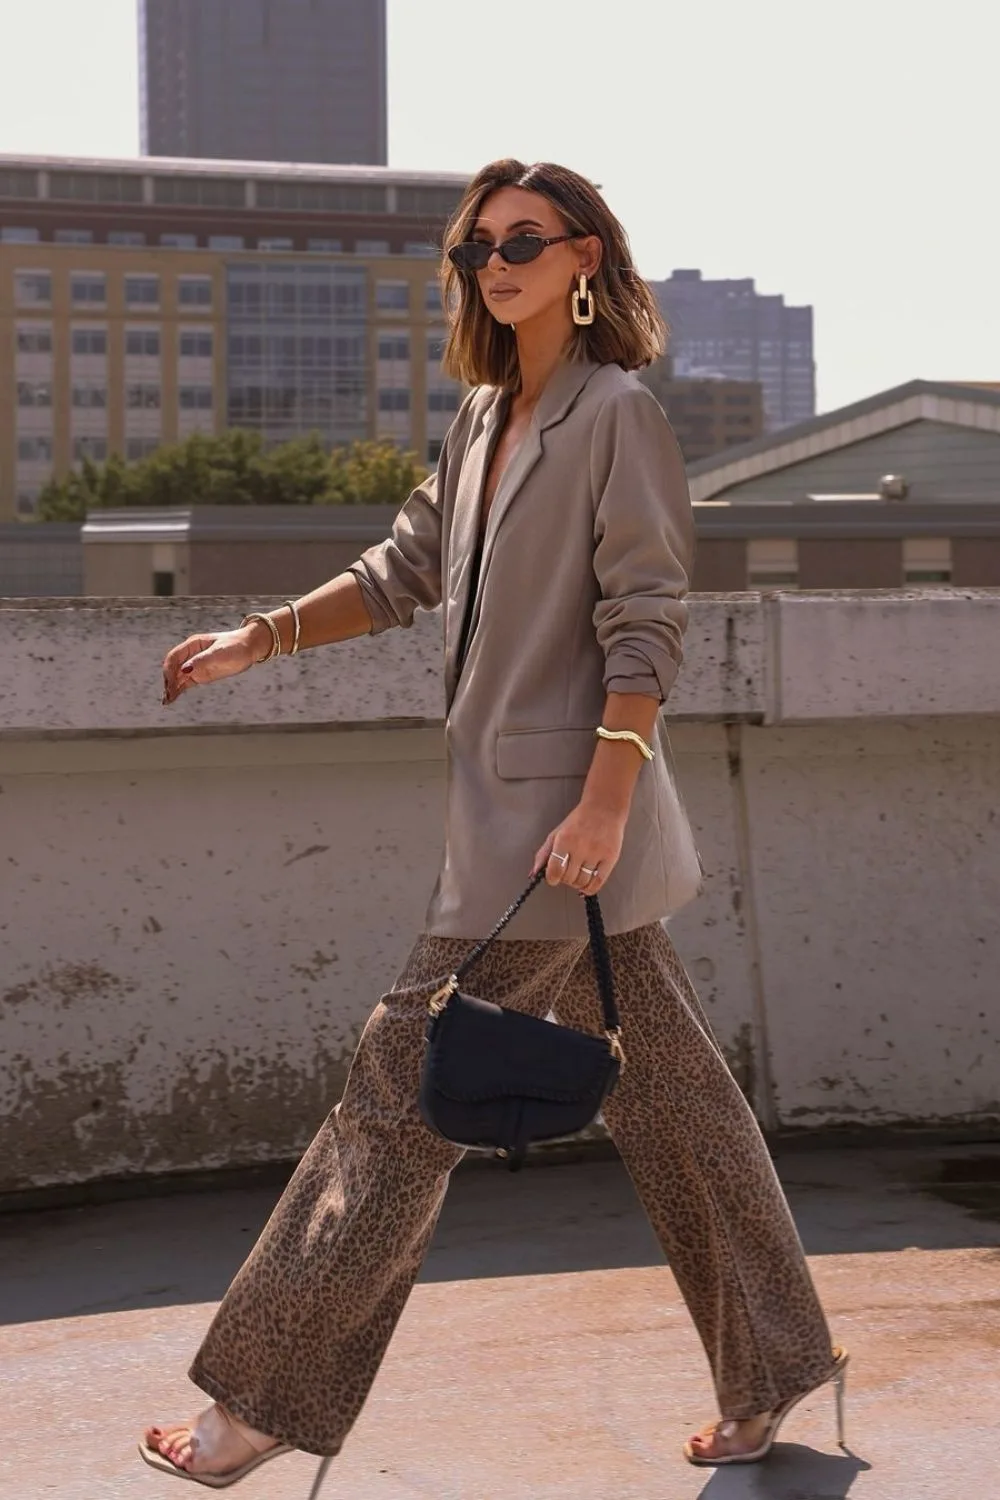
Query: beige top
(585, 565)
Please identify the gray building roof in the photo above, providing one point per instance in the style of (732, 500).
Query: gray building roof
(974, 407)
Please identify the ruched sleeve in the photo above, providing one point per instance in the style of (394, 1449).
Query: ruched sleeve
(404, 572)
(644, 544)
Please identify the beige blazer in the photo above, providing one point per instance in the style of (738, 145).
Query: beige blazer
(585, 566)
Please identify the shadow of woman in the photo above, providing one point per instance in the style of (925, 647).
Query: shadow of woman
(792, 1472)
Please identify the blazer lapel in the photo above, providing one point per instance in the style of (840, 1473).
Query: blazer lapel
(564, 386)
(465, 532)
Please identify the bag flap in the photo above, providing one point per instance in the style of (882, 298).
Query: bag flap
(481, 1051)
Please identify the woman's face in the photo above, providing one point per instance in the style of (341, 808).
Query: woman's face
(519, 293)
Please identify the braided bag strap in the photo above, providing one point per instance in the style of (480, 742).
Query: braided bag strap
(598, 948)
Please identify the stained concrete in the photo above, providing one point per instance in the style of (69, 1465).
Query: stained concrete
(545, 1353)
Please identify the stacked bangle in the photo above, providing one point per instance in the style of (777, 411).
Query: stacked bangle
(626, 734)
(297, 626)
(275, 637)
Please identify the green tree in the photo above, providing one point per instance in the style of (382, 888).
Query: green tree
(235, 468)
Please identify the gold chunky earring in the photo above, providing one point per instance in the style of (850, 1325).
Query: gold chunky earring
(584, 311)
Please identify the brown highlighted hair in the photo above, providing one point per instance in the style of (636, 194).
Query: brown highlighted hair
(629, 329)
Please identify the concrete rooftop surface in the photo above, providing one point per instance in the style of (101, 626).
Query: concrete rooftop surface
(545, 1353)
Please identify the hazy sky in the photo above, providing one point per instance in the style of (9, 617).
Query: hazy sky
(842, 154)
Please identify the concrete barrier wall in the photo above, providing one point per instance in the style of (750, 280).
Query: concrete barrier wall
(199, 907)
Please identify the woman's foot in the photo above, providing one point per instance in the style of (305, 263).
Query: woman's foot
(728, 1439)
(214, 1443)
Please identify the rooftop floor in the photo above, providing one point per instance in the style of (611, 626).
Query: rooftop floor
(546, 1352)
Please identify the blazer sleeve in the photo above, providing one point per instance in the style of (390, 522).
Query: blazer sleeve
(643, 544)
(404, 572)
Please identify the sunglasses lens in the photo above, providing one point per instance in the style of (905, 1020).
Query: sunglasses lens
(522, 248)
(470, 255)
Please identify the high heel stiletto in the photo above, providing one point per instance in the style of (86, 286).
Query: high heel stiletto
(233, 1476)
(837, 1377)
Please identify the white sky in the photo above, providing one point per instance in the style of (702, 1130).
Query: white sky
(842, 154)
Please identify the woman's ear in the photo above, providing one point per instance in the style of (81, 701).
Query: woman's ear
(589, 254)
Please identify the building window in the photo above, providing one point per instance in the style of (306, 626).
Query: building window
(420, 247)
(195, 398)
(394, 400)
(392, 296)
(212, 192)
(772, 562)
(142, 397)
(298, 349)
(137, 448)
(34, 450)
(434, 450)
(394, 346)
(194, 291)
(90, 397)
(371, 247)
(225, 242)
(927, 560)
(163, 585)
(95, 448)
(10, 234)
(34, 338)
(196, 344)
(74, 236)
(179, 241)
(27, 502)
(96, 187)
(326, 197)
(446, 400)
(325, 247)
(432, 297)
(435, 347)
(126, 237)
(34, 393)
(142, 291)
(17, 182)
(32, 288)
(88, 288)
(273, 243)
(89, 341)
(143, 341)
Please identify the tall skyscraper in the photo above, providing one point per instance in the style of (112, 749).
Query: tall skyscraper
(264, 80)
(729, 329)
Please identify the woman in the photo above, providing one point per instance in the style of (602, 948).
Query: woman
(557, 535)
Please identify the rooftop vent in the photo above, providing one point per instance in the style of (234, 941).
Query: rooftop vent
(893, 487)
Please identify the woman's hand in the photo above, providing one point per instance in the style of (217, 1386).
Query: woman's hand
(207, 658)
(592, 838)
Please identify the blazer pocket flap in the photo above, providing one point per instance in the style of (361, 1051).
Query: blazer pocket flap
(529, 754)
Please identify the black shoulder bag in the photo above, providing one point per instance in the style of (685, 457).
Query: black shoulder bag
(496, 1078)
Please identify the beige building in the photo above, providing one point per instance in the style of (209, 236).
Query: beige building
(140, 304)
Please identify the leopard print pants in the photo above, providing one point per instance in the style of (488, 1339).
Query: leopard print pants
(298, 1339)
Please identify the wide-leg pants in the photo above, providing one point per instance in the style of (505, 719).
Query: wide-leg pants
(299, 1337)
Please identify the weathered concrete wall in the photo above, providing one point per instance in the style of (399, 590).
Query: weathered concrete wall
(199, 907)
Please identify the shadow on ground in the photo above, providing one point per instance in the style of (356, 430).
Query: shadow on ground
(546, 1220)
(791, 1473)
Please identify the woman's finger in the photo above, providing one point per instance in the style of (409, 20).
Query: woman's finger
(556, 866)
(541, 858)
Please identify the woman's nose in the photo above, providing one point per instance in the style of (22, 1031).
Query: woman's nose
(496, 260)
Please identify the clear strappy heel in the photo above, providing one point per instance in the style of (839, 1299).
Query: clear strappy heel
(837, 1377)
(156, 1460)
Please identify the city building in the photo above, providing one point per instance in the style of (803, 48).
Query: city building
(264, 80)
(708, 415)
(142, 301)
(900, 488)
(728, 328)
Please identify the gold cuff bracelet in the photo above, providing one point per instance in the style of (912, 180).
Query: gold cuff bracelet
(626, 734)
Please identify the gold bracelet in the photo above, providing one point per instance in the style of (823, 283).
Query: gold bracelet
(626, 734)
(275, 637)
(298, 626)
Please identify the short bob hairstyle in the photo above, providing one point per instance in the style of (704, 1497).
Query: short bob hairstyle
(628, 330)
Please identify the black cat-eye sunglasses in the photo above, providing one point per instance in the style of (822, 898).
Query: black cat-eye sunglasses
(474, 255)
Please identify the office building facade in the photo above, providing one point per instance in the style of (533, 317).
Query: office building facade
(264, 80)
(138, 305)
(729, 329)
